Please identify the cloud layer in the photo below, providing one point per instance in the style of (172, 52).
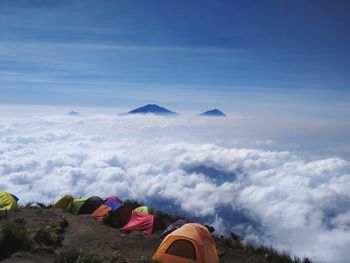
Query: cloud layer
(195, 166)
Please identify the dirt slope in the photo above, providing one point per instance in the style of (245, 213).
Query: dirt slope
(85, 233)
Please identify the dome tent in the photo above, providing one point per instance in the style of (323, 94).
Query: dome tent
(84, 205)
(120, 217)
(63, 202)
(143, 209)
(149, 224)
(172, 227)
(191, 243)
(8, 201)
(111, 204)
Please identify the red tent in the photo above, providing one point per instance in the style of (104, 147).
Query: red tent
(144, 222)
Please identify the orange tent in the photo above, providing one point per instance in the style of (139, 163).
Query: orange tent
(102, 212)
(191, 243)
(111, 204)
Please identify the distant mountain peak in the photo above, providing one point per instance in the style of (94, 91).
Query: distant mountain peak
(213, 113)
(73, 113)
(153, 109)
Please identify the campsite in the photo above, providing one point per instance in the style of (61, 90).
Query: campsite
(175, 131)
(83, 230)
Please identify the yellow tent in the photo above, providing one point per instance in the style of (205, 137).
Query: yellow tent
(8, 201)
(143, 209)
(191, 243)
(63, 202)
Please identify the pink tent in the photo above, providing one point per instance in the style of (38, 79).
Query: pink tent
(143, 222)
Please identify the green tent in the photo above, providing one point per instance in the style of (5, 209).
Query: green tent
(143, 209)
(63, 202)
(84, 205)
(8, 201)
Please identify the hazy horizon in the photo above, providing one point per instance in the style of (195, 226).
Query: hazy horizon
(291, 57)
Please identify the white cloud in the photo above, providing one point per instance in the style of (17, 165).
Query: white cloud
(195, 165)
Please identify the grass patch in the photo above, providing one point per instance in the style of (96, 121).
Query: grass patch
(3, 214)
(271, 255)
(51, 235)
(13, 237)
(48, 236)
(76, 256)
(274, 256)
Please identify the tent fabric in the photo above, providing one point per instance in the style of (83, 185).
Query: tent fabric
(77, 204)
(35, 205)
(63, 202)
(85, 205)
(144, 222)
(177, 224)
(90, 205)
(182, 248)
(113, 198)
(15, 197)
(140, 221)
(120, 217)
(101, 212)
(111, 204)
(191, 243)
(8, 201)
(143, 209)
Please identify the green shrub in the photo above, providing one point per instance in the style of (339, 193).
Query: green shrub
(76, 256)
(52, 234)
(3, 214)
(274, 256)
(19, 221)
(13, 237)
(67, 256)
(271, 255)
(63, 223)
(88, 258)
(48, 236)
(167, 218)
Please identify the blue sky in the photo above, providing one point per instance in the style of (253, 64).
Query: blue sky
(291, 57)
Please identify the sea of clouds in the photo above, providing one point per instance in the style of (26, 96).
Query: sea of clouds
(275, 182)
